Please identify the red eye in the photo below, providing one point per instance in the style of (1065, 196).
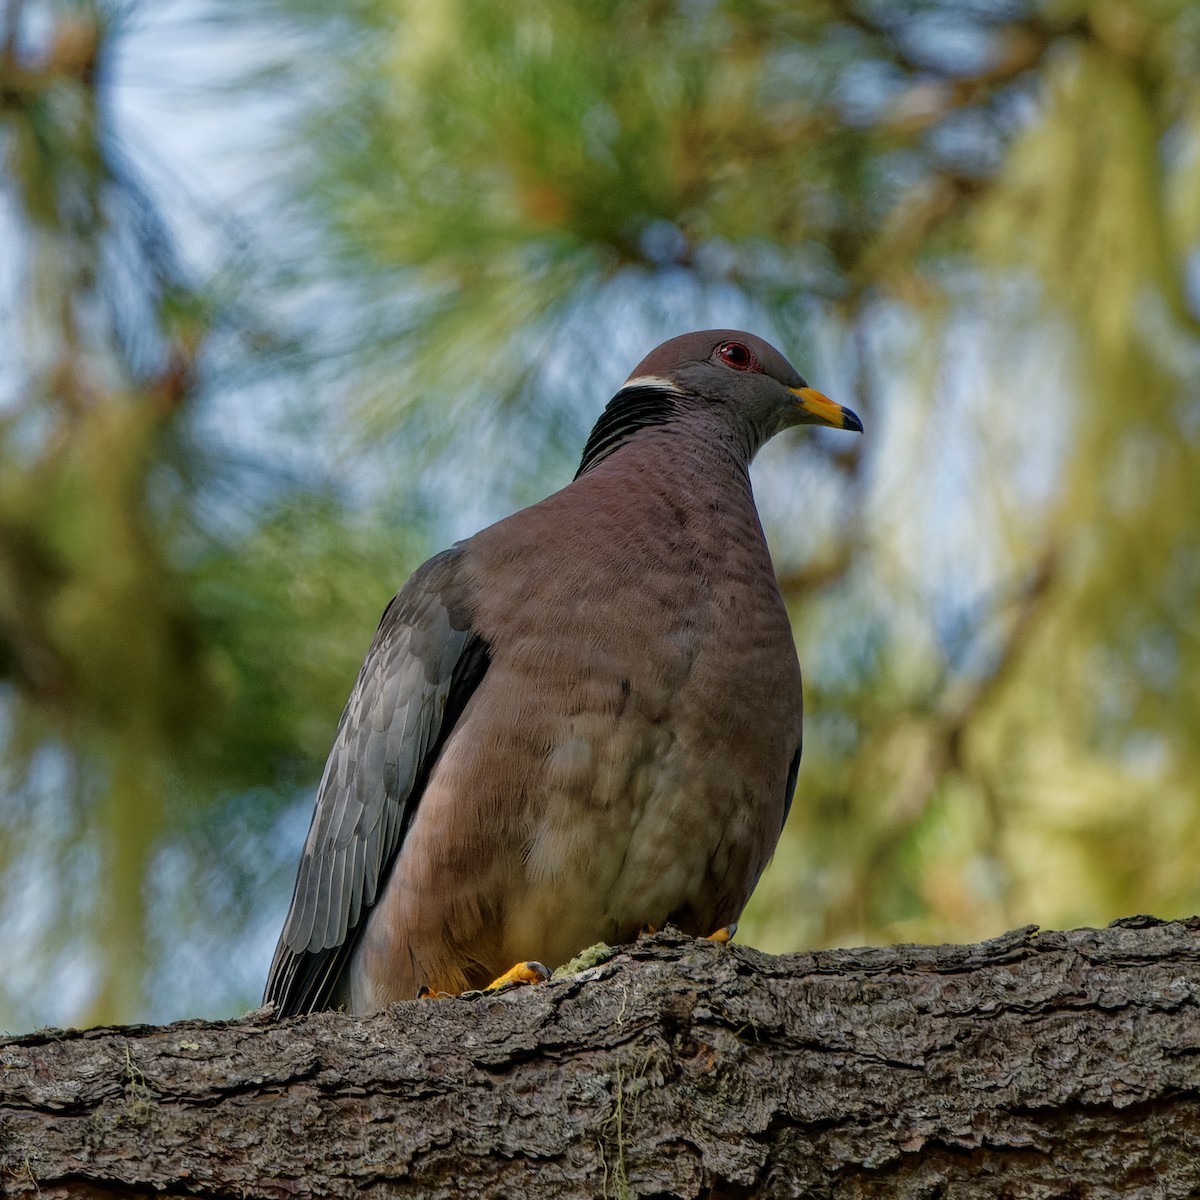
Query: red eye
(738, 356)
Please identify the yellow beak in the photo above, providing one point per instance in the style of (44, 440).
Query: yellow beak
(823, 411)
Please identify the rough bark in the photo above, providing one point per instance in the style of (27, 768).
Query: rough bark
(1035, 1065)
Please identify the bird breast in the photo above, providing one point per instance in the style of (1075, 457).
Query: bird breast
(643, 662)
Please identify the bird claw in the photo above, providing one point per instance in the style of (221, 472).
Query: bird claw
(427, 993)
(523, 972)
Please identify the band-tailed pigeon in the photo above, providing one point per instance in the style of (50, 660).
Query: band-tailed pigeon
(583, 720)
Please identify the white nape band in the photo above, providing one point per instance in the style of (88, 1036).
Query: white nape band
(652, 381)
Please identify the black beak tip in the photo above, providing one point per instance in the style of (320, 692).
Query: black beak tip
(850, 420)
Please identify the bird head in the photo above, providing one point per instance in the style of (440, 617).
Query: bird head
(746, 375)
(731, 381)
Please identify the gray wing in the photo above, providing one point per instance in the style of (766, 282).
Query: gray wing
(424, 663)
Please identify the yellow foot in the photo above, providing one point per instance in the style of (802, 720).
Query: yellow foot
(523, 972)
(723, 934)
(647, 931)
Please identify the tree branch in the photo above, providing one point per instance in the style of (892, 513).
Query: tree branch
(1052, 1065)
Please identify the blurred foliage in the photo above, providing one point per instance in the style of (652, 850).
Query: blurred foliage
(976, 222)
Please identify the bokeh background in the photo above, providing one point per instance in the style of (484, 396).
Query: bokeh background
(294, 294)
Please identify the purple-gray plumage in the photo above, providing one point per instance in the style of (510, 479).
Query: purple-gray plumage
(581, 721)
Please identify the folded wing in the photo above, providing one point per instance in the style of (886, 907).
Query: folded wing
(424, 663)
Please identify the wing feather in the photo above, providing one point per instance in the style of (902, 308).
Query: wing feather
(424, 663)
